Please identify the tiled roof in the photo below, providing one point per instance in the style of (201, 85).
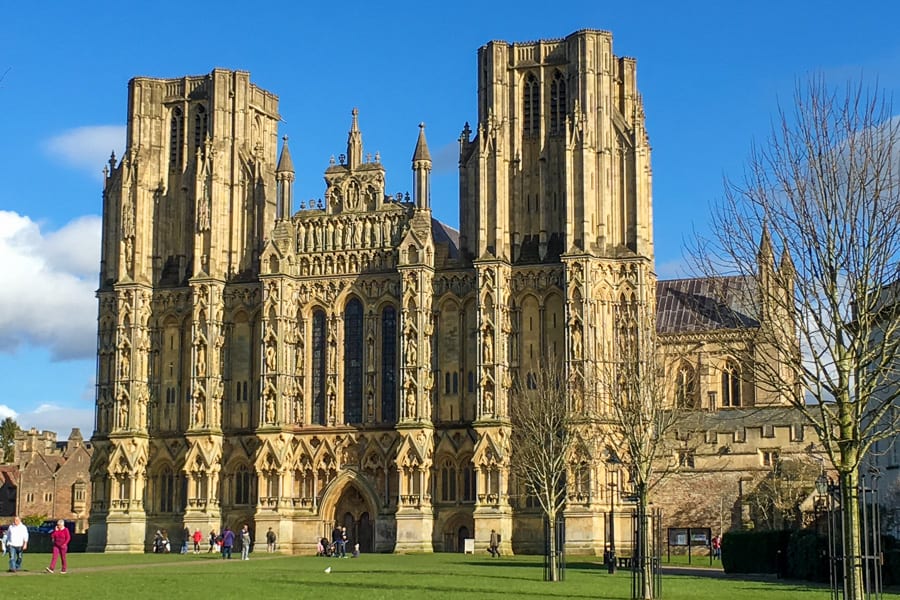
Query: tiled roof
(444, 234)
(705, 304)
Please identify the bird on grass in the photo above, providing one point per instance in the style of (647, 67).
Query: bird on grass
(328, 570)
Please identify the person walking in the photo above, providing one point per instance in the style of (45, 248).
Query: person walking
(185, 539)
(717, 547)
(494, 547)
(227, 542)
(212, 541)
(245, 542)
(198, 538)
(59, 538)
(16, 543)
(270, 540)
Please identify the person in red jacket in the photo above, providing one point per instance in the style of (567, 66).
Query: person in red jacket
(60, 539)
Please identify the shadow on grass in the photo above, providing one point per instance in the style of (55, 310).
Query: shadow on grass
(433, 591)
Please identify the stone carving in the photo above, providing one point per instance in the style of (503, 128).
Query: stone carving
(198, 413)
(576, 340)
(270, 356)
(487, 353)
(201, 359)
(270, 407)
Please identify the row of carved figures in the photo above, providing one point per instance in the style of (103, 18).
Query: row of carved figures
(330, 233)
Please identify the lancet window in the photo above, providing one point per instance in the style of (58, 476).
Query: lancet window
(389, 364)
(176, 138)
(353, 361)
(557, 104)
(731, 385)
(318, 366)
(531, 106)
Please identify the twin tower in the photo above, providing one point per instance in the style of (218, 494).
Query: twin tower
(296, 365)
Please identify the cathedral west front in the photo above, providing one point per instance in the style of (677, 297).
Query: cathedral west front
(299, 364)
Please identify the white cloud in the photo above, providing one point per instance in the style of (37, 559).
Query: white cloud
(6, 411)
(87, 148)
(47, 286)
(59, 419)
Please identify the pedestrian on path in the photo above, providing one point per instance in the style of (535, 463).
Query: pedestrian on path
(60, 538)
(245, 542)
(16, 543)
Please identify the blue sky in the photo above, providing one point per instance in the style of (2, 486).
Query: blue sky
(711, 74)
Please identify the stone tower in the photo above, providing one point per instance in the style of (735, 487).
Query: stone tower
(555, 213)
(185, 210)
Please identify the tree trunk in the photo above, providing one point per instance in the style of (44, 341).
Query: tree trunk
(554, 575)
(852, 536)
(645, 545)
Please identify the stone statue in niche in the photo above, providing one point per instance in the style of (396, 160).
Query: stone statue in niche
(129, 255)
(198, 412)
(201, 359)
(123, 412)
(142, 401)
(270, 407)
(488, 345)
(488, 401)
(370, 406)
(576, 340)
(124, 363)
(410, 401)
(411, 350)
(270, 356)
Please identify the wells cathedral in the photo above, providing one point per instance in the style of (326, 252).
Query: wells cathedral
(296, 365)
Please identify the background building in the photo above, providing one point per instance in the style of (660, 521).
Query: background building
(350, 359)
(51, 477)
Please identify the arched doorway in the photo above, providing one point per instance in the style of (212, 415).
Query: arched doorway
(353, 512)
(461, 536)
(456, 531)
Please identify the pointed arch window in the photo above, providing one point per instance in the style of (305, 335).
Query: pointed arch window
(468, 476)
(448, 481)
(731, 385)
(244, 486)
(685, 386)
(557, 104)
(531, 106)
(176, 138)
(389, 364)
(200, 129)
(318, 367)
(166, 490)
(353, 361)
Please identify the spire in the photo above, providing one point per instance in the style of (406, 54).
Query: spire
(421, 164)
(354, 142)
(421, 152)
(285, 164)
(284, 179)
(765, 255)
(786, 270)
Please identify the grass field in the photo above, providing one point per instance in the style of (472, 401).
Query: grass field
(376, 576)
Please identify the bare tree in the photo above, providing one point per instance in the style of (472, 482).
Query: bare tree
(776, 499)
(641, 423)
(542, 439)
(824, 187)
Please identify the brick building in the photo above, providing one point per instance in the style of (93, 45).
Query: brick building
(51, 476)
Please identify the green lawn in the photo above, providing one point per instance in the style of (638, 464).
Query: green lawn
(392, 577)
